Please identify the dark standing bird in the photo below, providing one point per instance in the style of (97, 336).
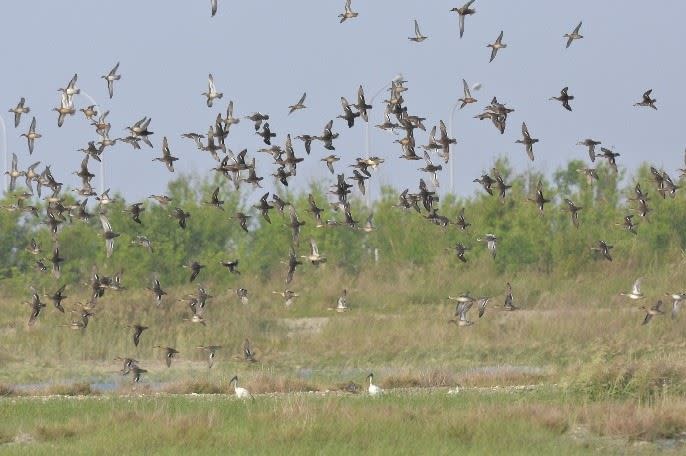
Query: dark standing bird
(509, 299)
(248, 353)
(462, 12)
(214, 6)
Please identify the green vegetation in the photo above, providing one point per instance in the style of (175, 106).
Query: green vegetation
(572, 330)
(531, 422)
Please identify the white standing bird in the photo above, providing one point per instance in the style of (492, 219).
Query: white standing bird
(374, 390)
(241, 393)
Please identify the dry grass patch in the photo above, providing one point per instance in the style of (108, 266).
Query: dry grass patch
(72, 389)
(645, 380)
(423, 379)
(61, 431)
(195, 387)
(502, 376)
(636, 422)
(7, 391)
(265, 383)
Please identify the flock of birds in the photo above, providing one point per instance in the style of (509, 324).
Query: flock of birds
(238, 170)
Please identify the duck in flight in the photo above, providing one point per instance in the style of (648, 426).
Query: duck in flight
(573, 36)
(464, 11)
(418, 37)
(348, 13)
(496, 46)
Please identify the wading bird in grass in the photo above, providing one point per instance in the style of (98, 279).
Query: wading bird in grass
(374, 390)
(241, 393)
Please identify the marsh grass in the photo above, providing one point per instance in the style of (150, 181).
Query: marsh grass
(7, 390)
(67, 389)
(423, 423)
(572, 330)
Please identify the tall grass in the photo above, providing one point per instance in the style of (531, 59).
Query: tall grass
(469, 423)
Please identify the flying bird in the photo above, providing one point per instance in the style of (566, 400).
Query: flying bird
(348, 13)
(299, 105)
(110, 78)
(573, 36)
(19, 110)
(212, 92)
(496, 46)
(418, 37)
(462, 12)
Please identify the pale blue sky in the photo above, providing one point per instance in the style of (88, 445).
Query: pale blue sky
(264, 54)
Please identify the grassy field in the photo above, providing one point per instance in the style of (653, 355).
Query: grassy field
(604, 382)
(525, 422)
